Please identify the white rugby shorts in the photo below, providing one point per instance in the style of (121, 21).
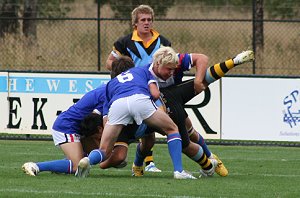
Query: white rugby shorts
(137, 107)
(61, 138)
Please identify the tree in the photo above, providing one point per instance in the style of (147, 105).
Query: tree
(9, 10)
(123, 8)
(29, 25)
(287, 9)
(8, 17)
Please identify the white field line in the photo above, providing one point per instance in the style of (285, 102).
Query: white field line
(61, 193)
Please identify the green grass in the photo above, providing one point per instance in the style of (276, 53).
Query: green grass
(254, 172)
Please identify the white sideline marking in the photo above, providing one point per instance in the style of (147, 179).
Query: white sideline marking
(87, 194)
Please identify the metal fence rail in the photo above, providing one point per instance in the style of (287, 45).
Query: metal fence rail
(83, 44)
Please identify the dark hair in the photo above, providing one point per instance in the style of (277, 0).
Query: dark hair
(120, 65)
(89, 125)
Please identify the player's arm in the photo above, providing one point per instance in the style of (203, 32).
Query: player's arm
(160, 104)
(115, 54)
(155, 93)
(200, 62)
(104, 120)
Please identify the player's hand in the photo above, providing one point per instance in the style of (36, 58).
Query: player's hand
(199, 86)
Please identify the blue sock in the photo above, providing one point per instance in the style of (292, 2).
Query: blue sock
(208, 77)
(96, 156)
(58, 166)
(139, 158)
(175, 149)
(199, 154)
(202, 143)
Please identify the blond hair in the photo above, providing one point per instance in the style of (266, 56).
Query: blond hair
(165, 55)
(141, 9)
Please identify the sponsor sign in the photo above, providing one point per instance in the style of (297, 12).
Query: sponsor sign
(32, 101)
(260, 109)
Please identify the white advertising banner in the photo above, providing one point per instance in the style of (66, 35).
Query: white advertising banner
(4, 109)
(31, 101)
(204, 111)
(260, 109)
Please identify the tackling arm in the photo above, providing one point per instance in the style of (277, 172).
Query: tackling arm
(200, 61)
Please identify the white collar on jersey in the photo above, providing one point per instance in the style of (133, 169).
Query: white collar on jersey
(156, 77)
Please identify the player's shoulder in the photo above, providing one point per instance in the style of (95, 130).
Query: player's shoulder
(124, 39)
(164, 41)
(139, 71)
(141, 68)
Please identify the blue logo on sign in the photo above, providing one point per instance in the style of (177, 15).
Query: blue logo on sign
(292, 109)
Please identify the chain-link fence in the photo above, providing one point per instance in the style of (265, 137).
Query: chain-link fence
(83, 44)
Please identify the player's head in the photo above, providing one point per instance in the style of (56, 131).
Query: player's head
(141, 9)
(123, 63)
(165, 55)
(165, 61)
(91, 124)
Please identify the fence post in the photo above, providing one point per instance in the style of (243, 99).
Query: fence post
(253, 32)
(258, 35)
(98, 34)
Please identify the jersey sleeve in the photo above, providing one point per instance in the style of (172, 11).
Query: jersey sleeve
(105, 103)
(164, 41)
(120, 46)
(150, 77)
(100, 99)
(185, 62)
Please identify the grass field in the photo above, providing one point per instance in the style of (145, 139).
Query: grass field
(254, 172)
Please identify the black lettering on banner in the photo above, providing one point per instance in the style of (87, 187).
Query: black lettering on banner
(38, 112)
(58, 112)
(207, 96)
(74, 101)
(13, 112)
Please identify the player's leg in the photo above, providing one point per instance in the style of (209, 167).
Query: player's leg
(175, 97)
(143, 109)
(195, 152)
(118, 157)
(161, 120)
(182, 93)
(71, 147)
(119, 154)
(198, 138)
(191, 149)
(149, 159)
(181, 96)
(149, 162)
(142, 149)
(109, 137)
(118, 116)
(219, 70)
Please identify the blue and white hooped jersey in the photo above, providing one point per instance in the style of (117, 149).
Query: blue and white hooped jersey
(134, 81)
(69, 120)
